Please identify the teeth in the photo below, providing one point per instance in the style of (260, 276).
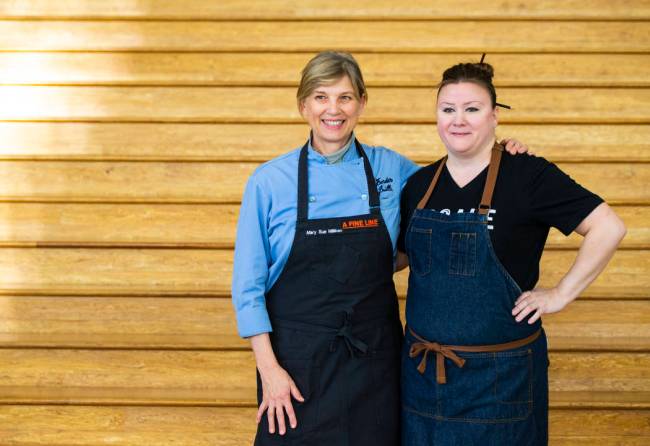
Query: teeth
(339, 122)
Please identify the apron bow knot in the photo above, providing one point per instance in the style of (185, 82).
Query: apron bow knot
(441, 352)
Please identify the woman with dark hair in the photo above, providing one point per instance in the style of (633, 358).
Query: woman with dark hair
(473, 227)
(313, 274)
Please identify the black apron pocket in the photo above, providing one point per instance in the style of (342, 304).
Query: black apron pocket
(344, 264)
(490, 388)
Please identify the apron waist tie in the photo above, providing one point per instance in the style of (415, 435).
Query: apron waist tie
(449, 351)
(351, 342)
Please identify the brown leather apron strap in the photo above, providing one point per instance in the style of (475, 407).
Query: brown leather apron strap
(423, 202)
(449, 351)
(488, 190)
(491, 181)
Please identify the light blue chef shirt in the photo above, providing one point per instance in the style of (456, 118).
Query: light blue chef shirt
(267, 219)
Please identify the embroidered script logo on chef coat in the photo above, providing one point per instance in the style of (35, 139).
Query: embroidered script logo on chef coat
(384, 184)
(490, 215)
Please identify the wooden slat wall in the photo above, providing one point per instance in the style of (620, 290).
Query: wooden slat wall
(128, 129)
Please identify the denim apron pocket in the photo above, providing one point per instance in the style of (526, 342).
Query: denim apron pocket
(490, 388)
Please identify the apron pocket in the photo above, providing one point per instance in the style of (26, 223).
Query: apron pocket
(306, 376)
(419, 250)
(490, 388)
(344, 264)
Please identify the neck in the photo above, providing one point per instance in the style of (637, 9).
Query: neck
(327, 148)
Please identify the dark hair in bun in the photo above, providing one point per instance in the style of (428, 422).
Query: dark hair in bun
(478, 73)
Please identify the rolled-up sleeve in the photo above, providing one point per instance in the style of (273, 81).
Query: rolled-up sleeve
(252, 260)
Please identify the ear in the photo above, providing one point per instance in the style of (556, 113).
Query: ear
(362, 102)
(495, 116)
(301, 108)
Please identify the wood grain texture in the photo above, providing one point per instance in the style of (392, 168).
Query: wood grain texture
(209, 323)
(261, 142)
(283, 69)
(187, 226)
(190, 182)
(368, 36)
(218, 426)
(84, 271)
(335, 9)
(135, 377)
(278, 105)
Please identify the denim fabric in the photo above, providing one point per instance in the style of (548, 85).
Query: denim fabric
(460, 294)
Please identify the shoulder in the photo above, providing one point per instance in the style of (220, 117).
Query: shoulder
(387, 162)
(276, 168)
(525, 168)
(380, 154)
(422, 177)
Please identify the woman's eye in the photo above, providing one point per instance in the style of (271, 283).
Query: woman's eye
(447, 110)
(346, 98)
(320, 97)
(471, 109)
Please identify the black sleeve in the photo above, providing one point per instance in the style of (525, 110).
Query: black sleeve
(554, 198)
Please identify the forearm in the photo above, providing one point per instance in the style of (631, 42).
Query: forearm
(596, 250)
(263, 350)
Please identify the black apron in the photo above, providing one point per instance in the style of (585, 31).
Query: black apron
(336, 327)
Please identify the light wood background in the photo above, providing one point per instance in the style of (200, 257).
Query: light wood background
(128, 129)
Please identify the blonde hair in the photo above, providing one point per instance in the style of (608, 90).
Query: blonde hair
(326, 68)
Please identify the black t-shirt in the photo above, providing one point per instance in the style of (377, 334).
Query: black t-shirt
(531, 195)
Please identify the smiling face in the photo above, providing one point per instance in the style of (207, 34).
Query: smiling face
(332, 111)
(466, 119)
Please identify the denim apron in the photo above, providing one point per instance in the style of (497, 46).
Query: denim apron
(488, 384)
(336, 327)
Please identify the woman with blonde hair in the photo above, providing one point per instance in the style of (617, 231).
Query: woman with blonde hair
(312, 283)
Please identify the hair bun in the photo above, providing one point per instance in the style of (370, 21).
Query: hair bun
(486, 69)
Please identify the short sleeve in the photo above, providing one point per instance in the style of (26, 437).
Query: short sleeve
(554, 199)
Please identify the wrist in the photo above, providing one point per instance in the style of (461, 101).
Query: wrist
(565, 293)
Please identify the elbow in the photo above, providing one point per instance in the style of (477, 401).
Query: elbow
(617, 228)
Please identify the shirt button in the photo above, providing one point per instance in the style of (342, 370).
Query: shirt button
(312, 198)
(364, 197)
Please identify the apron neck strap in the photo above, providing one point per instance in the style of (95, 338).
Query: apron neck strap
(490, 182)
(303, 182)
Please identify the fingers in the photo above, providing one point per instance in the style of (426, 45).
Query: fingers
(525, 312)
(295, 392)
(535, 316)
(523, 296)
(279, 414)
(261, 410)
(270, 416)
(293, 422)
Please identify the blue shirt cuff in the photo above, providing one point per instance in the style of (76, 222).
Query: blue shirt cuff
(252, 321)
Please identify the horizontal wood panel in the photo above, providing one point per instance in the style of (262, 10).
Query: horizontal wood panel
(181, 182)
(261, 142)
(278, 105)
(395, 36)
(170, 225)
(283, 69)
(128, 426)
(189, 377)
(221, 426)
(208, 272)
(179, 323)
(335, 9)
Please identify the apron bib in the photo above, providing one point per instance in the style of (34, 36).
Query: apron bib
(336, 327)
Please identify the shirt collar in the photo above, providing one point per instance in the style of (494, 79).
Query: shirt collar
(350, 155)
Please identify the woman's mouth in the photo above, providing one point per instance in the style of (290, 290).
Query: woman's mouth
(333, 124)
